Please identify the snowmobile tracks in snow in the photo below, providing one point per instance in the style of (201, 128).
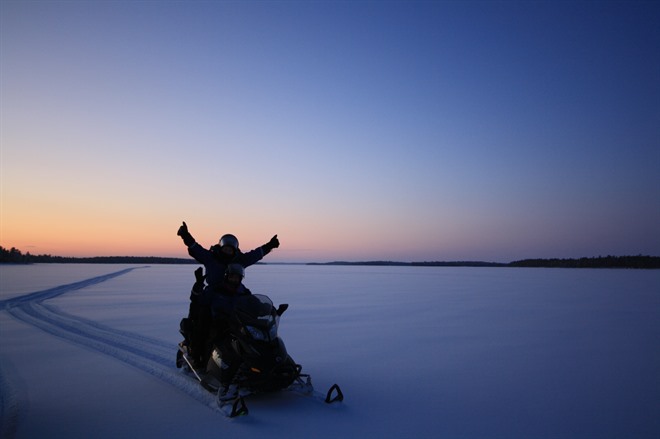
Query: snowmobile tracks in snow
(147, 354)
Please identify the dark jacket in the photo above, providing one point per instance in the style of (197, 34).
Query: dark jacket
(216, 266)
(223, 301)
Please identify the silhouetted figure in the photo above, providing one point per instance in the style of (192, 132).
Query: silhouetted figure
(197, 326)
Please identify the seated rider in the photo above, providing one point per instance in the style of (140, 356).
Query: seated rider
(222, 303)
(195, 328)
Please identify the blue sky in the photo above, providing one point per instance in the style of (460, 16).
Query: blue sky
(354, 130)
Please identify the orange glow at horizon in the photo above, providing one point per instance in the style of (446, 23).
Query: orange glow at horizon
(60, 235)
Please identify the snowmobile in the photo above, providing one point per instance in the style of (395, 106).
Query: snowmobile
(265, 365)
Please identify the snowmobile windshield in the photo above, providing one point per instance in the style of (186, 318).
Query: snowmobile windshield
(258, 317)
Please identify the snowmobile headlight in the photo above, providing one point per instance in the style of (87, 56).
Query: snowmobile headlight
(256, 333)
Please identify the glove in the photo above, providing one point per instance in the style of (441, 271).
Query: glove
(273, 243)
(188, 240)
(199, 275)
(198, 288)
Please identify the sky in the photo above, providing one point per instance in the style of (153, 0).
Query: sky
(407, 131)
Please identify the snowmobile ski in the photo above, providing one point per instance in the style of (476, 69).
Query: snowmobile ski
(336, 391)
(233, 408)
(303, 386)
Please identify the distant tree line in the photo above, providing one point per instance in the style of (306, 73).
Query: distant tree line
(416, 264)
(15, 256)
(599, 262)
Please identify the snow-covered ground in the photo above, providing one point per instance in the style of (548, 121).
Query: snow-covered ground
(88, 351)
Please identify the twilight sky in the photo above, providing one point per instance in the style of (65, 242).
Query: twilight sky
(370, 130)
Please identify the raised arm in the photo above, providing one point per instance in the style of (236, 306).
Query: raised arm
(188, 240)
